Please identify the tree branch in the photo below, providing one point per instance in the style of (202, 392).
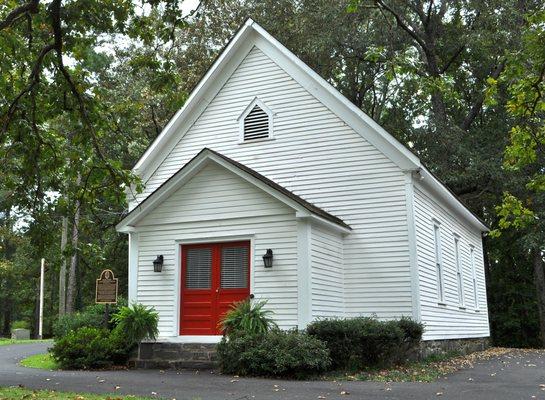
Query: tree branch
(403, 24)
(34, 79)
(30, 7)
(478, 104)
(452, 59)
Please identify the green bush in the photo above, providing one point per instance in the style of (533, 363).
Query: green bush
(274, 353)
(137, 322)
(20, 325)
(82, 341)
(412, 330)
(91, 316)
(84, 348)
(358, 343)
(247, 317)
(72, 322)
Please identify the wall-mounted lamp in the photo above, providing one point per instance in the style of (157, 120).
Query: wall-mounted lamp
(268, 258)
(158, 264)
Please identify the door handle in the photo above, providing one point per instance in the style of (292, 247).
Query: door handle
(217, 290)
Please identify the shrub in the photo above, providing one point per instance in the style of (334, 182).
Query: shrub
(120, 347)
(82, 341)
(248, 318)
(20, 325)
(72, 322)
(412, 330)
(91, 316)
(137, 323)
(359, 343)
(274, 353)
(84, 348)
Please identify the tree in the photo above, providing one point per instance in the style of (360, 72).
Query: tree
(523, 205)
(57, 134)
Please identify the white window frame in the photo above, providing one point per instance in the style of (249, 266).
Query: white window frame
(439, 270)
(474, 277)
(255, 102)
(459, 271)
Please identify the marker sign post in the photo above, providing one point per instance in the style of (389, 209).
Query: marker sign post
(106, 292)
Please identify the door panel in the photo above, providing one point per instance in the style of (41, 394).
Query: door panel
(214, 276)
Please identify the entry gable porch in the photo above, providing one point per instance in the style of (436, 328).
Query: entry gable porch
(213, 208)
(207, 157)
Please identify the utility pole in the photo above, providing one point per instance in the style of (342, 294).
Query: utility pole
(41, 318)
(62, 272)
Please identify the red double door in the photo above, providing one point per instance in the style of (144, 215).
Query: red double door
(214, 276)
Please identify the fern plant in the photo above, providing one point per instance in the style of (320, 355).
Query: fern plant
(247, 317)
(137, 322)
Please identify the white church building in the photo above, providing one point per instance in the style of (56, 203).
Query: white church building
(270, 184)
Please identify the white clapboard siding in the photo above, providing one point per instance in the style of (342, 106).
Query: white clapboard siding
(449, 320)
(228, 206)
(327, 276)
(317, 156)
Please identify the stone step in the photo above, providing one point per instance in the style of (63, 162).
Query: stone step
(175, 356)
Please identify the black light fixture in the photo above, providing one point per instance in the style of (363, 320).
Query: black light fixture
(268, 258)
(158, 264)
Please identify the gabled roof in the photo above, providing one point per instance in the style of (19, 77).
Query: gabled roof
(249, 35)
(205, 156)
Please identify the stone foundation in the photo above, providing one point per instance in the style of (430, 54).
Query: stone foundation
(174, 356)
(203, 355)
(460, 346)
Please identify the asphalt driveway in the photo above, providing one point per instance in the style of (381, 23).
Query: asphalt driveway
(517, 375)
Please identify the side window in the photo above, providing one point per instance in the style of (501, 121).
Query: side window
(459, 270)
(474, 276)
(438, 262)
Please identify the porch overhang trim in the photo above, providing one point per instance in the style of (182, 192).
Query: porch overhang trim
(127, 224)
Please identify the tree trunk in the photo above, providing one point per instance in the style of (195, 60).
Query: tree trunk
(539, 281)
(72, 281)
(62, 272)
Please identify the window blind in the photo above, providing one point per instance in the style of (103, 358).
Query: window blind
(234, 267)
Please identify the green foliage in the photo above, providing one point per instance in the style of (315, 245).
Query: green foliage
(92, 316)
(513, 214)
(20, 325)
(275, 353)
(512, 302)
(136, 323)
(84, 348)
(412, 330)
(359, 343)
(72, 322)
(524, 157)
(113, 346)
(247, 317)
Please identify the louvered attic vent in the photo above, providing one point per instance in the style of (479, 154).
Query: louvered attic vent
(256, 124)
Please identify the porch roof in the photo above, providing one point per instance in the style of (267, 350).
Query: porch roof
(197, 163)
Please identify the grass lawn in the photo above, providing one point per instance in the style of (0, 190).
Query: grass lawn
(4, 341)
(20, 394)
(41, 361)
